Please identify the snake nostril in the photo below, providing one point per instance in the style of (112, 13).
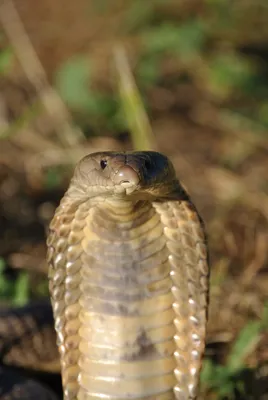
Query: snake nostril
(127, 175)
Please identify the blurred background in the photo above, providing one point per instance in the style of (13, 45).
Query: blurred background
(201, 67)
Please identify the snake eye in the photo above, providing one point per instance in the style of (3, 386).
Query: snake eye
(103, 164)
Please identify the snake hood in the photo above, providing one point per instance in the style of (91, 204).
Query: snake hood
(136, 175)
(128, 278)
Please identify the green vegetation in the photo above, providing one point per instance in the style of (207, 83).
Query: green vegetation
(6, 57)
(202, 66)
(16, 293)
(198, 47)
(228, 380)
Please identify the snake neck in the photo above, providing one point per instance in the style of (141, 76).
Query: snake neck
(119, 216)
(126, 316)
(125, 284)
(124, 206)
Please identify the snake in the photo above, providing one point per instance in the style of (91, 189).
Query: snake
(128, 280)
(15, 386)
(28, 351)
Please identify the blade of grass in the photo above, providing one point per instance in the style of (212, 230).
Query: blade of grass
(244, 345)
(14, 29)
(21, 290)
(136, 116)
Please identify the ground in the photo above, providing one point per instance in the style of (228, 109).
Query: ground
(208, 110)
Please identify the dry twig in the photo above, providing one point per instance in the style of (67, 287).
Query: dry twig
(15, 32)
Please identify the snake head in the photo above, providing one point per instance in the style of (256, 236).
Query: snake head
(140, 174)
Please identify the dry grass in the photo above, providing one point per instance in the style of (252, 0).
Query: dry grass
(220, 157)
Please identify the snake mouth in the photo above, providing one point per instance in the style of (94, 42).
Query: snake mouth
(126, 184)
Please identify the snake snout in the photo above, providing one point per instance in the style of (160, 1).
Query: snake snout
(126, 176)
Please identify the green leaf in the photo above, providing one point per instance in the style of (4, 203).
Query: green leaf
(243, 345)
(21, 295)
(2, 265)
(184, 40)
(263, 113)
(217, 377)
(148, 71)
(6, 58)
(229, 72)
(73, 81)
(138, 15)
(53, 178)
(207, 372)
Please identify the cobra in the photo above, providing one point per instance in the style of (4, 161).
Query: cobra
(128, 278)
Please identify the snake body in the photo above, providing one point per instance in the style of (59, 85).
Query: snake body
(128, 278)
(28, 352)
(15, 386)
(27, 339)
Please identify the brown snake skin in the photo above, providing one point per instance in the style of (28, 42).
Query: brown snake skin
(27, 339)
(15, 386)
(28, 352)
(128, 276)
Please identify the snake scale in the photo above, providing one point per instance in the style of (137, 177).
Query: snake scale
(128, 278)
(27, 352)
